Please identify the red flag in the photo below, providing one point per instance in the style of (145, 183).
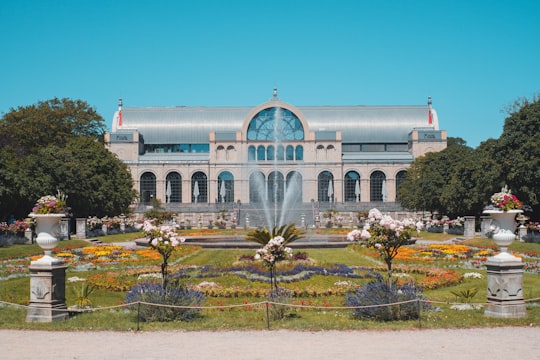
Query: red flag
(430, 117)
(120, 118)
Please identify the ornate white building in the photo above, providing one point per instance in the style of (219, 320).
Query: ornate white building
(348, 156)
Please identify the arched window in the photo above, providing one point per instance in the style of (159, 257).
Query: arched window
(220, 153)
(280, 155)
(276, 187)
(147, 187)
(293, 190)
(229, 153)
(351, 186)
(199, 188)
(251, 153)
(400, 176)
(299, 153)
(273, 124)
(261, 153)
(377, 184)
(173, 188)
(225, 188)
(257, 187)
(325, 187)
(289, 153)
(270, 152)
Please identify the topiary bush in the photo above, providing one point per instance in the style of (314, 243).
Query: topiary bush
(175, 294)
(380, 292)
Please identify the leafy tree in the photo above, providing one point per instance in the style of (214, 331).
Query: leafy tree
(518, 150)
(428, 176)
(46, 149)
(460, 180)
(26, 129)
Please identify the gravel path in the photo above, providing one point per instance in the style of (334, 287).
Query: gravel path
(463, 344)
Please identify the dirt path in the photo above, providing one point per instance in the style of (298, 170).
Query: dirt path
(486, 343)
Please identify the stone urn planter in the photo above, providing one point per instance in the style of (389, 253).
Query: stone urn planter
(503, 225)
(48, 235)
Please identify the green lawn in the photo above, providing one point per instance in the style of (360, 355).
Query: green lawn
(246, 295)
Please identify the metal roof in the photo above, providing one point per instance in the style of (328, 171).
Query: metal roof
(358, 124)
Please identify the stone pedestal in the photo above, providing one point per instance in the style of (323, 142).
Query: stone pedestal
(485, 224)
(47, 293)
(80, 228)
(64, 229)
(469, 227)
(505, 287)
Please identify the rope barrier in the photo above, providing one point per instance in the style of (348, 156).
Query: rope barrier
(231, 306)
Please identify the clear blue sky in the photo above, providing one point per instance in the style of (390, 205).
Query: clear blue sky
(473, 57)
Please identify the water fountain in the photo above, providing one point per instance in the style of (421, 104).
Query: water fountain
(277, 194)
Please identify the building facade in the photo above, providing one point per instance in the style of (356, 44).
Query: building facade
(275, 152)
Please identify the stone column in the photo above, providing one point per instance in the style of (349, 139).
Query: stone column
(469, 227)
(522, 233)
(81, 228)
(505, 287)
(64, 229)
(47, 293)
(485, 223)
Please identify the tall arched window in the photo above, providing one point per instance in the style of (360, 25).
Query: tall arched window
(199, 188)
(400, 176)
(280, 153)
(377, 184)
(325, 187)
(293, 190)
(147, 187)
(251, 153)
(257, 187)
(289, 153)
(173, 188)
(270, 152)
(299, 152)
(261, 153)
(225, 188)
(351, 186)
(276, 187)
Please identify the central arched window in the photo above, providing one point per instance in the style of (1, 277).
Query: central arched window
(351, 187)
(400, 177)
(225, 187)
(377, 183)
(199, 189)
(273, 124)
(325, 187)
(173, 188)
(148, 187)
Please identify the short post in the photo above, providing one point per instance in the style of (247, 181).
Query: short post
(64, 229)
(47, 293)
(485, 224)
(80, 226)
(469, 227)
(505, 287)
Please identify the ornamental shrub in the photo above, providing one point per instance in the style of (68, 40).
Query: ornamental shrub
(175, 295)
(281, 296)
(380, 292)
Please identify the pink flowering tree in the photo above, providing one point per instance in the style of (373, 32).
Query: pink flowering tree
(165, 240)
(386, 235)
(274, 251)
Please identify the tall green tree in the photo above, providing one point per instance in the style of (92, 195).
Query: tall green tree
(425, 187)
(518, 150)
(57, 145)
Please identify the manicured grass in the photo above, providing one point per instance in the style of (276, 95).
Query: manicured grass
(249, 312)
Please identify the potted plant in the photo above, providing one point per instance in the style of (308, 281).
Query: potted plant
(47, 213)
(503, 210)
